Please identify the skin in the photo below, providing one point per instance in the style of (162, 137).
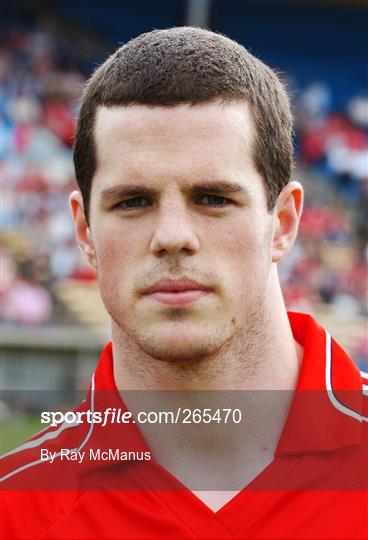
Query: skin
(199, 210)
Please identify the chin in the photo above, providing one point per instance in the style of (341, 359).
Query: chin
(179, 348)
(181, 339)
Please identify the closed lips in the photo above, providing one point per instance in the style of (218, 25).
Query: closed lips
(176, 286)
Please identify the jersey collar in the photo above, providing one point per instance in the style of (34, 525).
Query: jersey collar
(326, 410)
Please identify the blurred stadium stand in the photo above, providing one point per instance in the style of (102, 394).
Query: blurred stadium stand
(50, 305)
(311, 41)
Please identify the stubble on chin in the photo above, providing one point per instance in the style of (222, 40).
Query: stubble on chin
(180, 349)
(174, 346)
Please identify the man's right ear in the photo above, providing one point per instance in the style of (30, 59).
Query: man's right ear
(81, 227)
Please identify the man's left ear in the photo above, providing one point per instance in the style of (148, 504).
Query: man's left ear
(287, 211)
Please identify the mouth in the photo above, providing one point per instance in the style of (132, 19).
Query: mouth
(177, 292)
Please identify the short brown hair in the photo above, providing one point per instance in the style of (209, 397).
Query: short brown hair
(190, 65)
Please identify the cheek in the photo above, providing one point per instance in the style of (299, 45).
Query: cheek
(115, 256)
(245, 245)
(115, 271)
(246, 255)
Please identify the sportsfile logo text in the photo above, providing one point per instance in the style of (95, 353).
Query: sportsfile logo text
(121, 416)
(109, 415)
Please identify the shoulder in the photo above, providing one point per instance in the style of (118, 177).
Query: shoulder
(35, 493)
(28, 466)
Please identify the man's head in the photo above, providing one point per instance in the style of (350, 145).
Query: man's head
(183, 158)
(193, 66)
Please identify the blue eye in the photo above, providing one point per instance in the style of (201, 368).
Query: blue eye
(214, 200)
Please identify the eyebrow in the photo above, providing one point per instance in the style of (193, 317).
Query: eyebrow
(132, 190)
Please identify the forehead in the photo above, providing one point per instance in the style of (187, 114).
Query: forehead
(215, 132)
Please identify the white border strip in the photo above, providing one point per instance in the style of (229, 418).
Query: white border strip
(48, 436)
(36, 442)
(335, 402)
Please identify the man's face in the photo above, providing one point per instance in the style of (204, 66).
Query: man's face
(180, 227)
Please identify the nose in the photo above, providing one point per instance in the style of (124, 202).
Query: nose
(174, 232)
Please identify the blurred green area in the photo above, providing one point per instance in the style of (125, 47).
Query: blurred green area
(16, 430)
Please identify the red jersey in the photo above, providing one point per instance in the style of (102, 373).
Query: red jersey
(315, 487)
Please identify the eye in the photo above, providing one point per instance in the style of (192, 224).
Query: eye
(133, 203)
(213, 200)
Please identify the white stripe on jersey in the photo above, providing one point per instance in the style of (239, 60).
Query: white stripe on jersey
(365, 382)
(48, 436)
(36, 442)
(328, 373)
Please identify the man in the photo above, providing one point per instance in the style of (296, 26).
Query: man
(183, 157)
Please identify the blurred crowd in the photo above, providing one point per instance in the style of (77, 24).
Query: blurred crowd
(329, 262)
(43, 75)
(42, 80)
